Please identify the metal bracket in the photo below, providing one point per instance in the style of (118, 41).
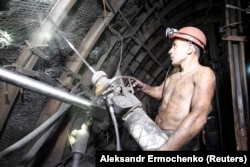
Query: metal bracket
(35, 49)
(116, 33)
(248, 10)
(4, 90)
(235, 24)
(64, 84)
(27, 72)
(21, 70)
(72, 74)
(235, 7)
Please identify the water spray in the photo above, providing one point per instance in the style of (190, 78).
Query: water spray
(72, 47)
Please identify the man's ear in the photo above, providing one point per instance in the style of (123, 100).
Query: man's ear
(190, 49)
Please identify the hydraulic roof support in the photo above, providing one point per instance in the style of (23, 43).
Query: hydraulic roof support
(238, 79)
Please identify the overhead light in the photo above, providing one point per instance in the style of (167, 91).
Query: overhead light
(5, 39)
(248, 69)
(47, 36)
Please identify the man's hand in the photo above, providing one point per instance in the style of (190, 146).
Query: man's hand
(138, 84)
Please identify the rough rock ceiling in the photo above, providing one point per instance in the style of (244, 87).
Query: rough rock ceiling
(113, 36)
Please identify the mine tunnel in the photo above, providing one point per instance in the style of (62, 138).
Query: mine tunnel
(50, 49)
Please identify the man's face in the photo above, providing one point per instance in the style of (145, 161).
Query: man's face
(178, 51)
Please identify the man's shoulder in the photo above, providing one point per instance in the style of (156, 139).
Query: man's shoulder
(205, 73)
(206, 70)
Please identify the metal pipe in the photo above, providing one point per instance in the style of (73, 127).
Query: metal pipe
(49, 124)
(34, 150)
(25, 140)
(118, 143)
(42, 88)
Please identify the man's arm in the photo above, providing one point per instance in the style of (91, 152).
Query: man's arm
(153, 91)
(200, 107)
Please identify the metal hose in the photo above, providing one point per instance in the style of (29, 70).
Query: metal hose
(42, 88)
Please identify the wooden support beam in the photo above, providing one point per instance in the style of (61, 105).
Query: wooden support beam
(27, 60)
(74, 66)
(86, 46)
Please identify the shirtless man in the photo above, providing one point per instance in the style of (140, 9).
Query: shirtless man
(186, 95)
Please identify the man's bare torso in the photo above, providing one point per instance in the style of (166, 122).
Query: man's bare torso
(176, 100)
